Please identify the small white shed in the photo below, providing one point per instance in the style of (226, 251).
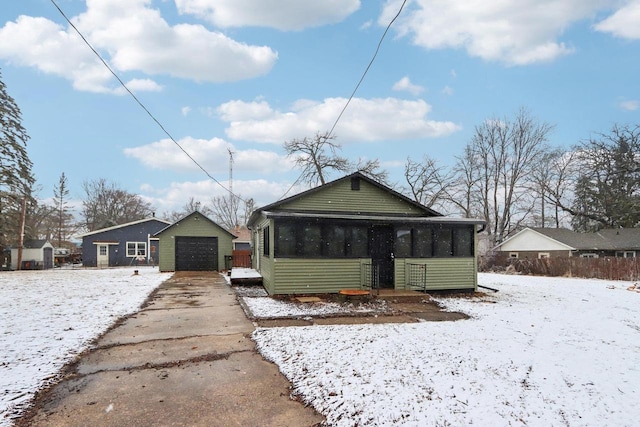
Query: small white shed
(36, 255)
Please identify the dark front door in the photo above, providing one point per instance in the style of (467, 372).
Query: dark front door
(382, 254)
(196, 253)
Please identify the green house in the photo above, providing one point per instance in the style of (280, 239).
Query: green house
(355, 233)
(194, 243)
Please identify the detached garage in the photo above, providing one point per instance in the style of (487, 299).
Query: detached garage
(194, 243)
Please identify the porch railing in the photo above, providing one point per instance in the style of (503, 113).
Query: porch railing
(370, 276)
(416, 277)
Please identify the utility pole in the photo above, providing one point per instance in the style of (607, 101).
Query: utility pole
(23, 218)
(230, 173)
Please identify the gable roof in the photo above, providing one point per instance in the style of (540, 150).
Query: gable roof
(603, 240)
(242, 233)
(115, 227)
(190, 215)
(33, 244)
(359, 175)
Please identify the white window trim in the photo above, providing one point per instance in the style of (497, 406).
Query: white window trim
(137, 247)
(513, 255)
(623, 254)
(543, 255)
(589, 255)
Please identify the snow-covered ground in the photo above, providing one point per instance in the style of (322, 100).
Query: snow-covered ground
(268, 308)
(540, 352)
(48, 317)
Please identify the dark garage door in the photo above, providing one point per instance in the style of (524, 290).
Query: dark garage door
(196, 253)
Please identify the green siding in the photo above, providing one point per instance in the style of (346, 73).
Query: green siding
(442, 273)
(265, 263)
(307, 276)
(322, 275)
(192, 227)
(341, 198)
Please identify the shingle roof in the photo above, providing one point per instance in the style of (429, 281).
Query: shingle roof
(611, 239)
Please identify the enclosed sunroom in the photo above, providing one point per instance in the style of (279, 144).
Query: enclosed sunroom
(355, 233)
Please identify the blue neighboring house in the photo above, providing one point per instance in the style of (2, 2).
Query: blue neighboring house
(123, 245)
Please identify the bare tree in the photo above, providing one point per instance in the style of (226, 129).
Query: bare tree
(107, 205)
(372, 169)
(505, 153)
(462, 193)
(553, 184)
(316, 157)
(231, 210)
(427, 181)
(190, 206)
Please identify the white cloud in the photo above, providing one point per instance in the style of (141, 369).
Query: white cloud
(516, 33)
(624, 23)
(404, 84)
(629, 105)
(185, 111)
(166, 155)
(173, 197)
(366, 25)
(364, 120)
(40, 43)
(131, 36)
(447, 90)
(140, 85)
(280, 14)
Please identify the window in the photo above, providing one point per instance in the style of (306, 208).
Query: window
(543, 255)
(355, 184)
(443, 242)
(513, 255)
(317, 239)
(463, 242)
(103, 250)
(402, 243)
(423, 242)
(358, 243)
(439, 241)
(335, 241)
(265, 241)
(311, 240)
(588, 255)
(135, 249)
(626, 254)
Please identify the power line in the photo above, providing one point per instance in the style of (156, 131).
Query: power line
(375, 54)
(140, 102)
(368, 66)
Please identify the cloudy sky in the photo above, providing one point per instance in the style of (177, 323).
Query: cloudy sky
(248, 75)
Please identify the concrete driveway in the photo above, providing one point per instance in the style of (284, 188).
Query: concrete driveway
(185, 359)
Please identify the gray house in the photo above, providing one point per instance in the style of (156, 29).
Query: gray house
(36, 255)
(194, 243)
(562, 242)
(123, 245)
(355, 233)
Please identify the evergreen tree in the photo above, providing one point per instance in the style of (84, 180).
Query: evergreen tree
(63, 217)
(607, 192)
(16, 179)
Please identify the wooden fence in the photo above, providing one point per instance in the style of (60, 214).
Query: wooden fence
(607, 268)
(242, 258)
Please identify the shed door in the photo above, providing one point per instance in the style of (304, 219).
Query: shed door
(196, 253)
(47, 258)
(102, 258)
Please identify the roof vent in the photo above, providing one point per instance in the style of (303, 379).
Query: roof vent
(355, 183)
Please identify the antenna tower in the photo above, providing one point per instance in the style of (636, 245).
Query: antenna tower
(230, 173)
